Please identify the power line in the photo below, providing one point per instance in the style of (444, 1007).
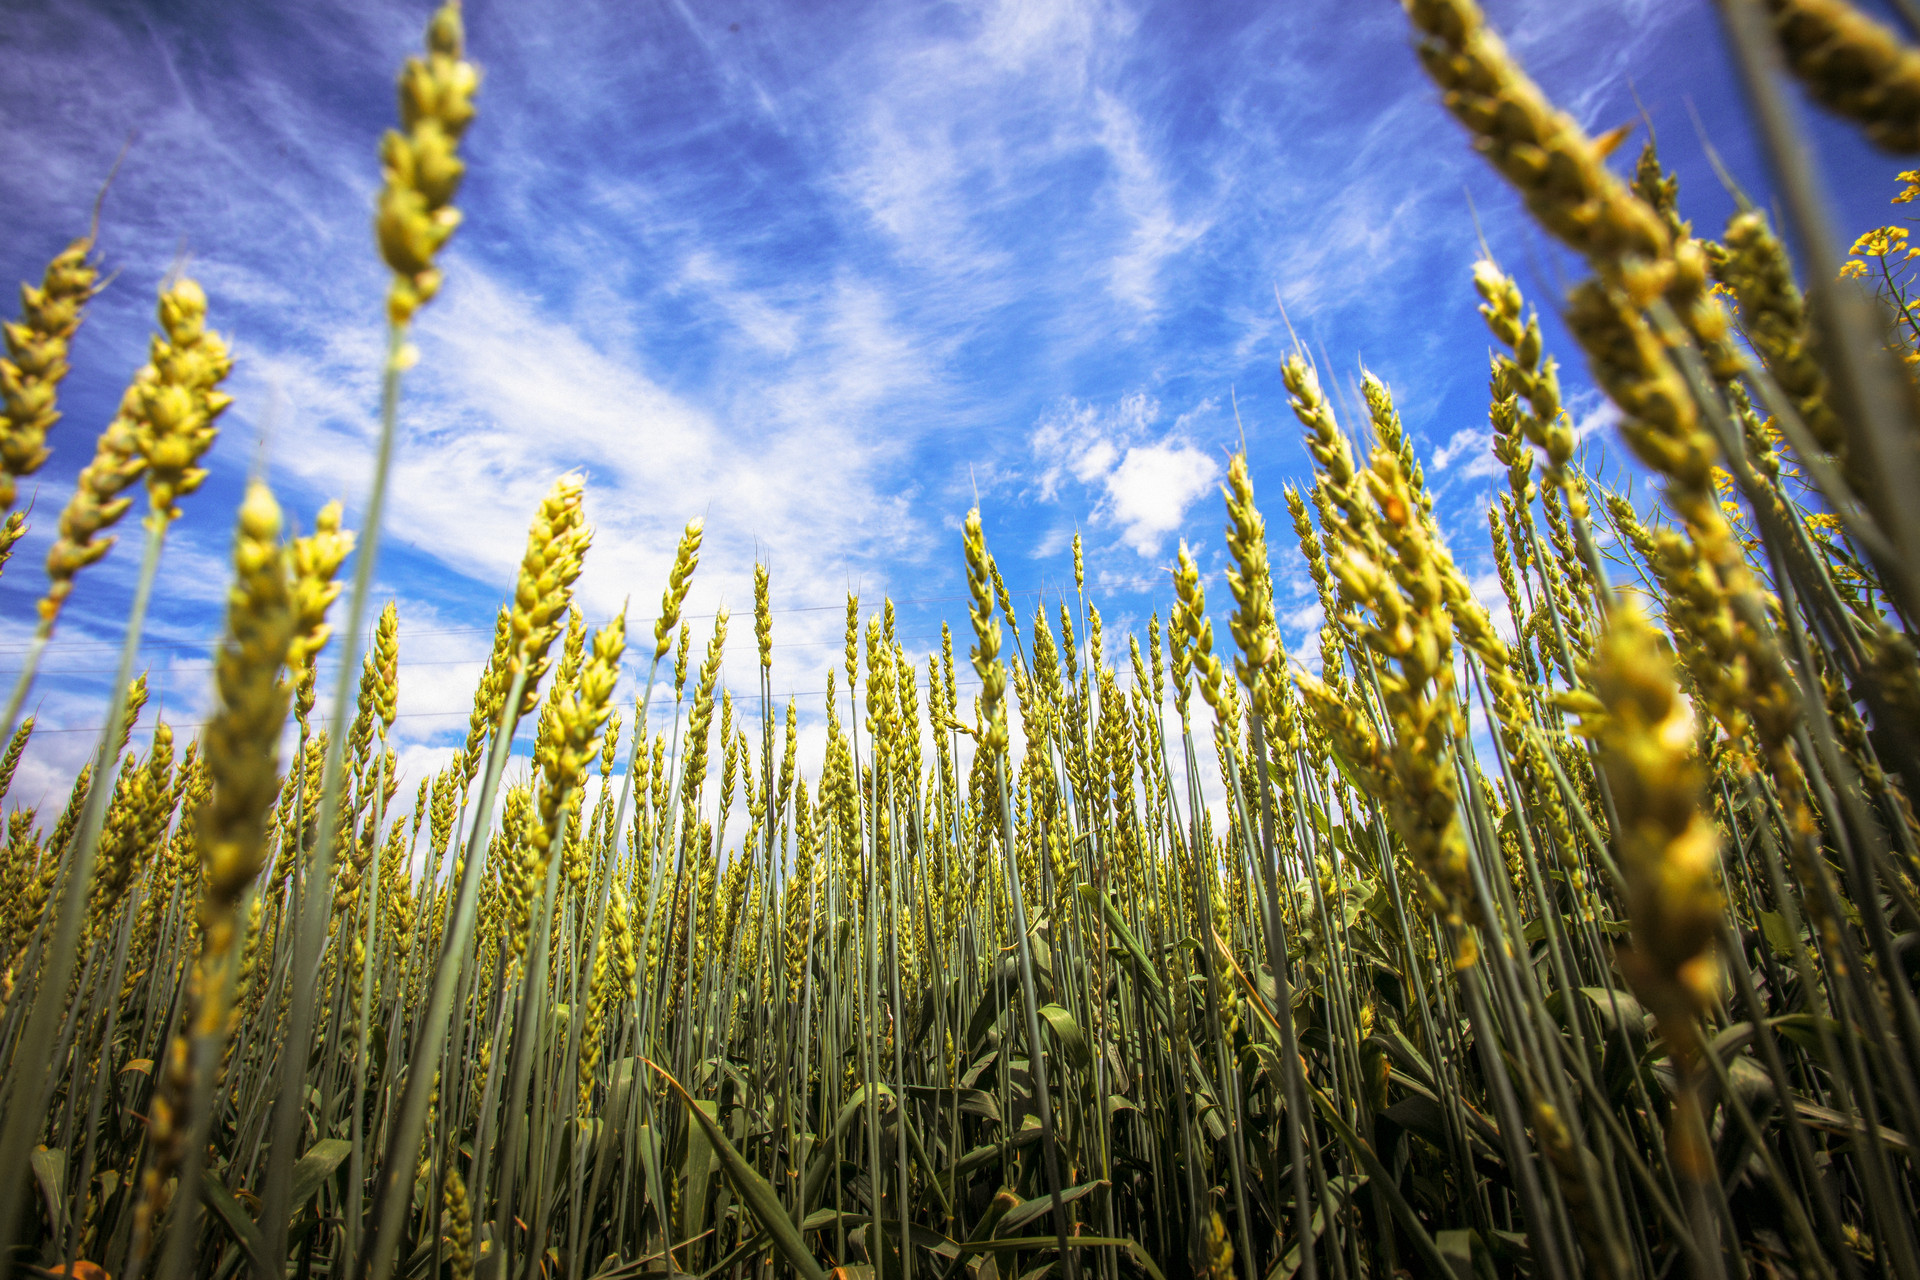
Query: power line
(204, 642)
(662, 697)
(328, 668)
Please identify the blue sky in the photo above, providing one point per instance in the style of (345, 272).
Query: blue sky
(817, 272)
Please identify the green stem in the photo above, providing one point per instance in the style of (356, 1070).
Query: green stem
(313, 891)
(31, 1064)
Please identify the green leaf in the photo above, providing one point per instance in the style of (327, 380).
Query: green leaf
(698, 1172)
(971, 1102)
(1396, 1200)
(985, 1014)
(1778, 933)
(814, 1184)
(754, 1190)
(50, 1171)
(1022, 1243)
(230, 1212)
(315, 1167)
(1118, 923)
(1804, 1030)
(1616, 1011)
(1460, 1246)
(1339, 1194)
(1068, 1033)
(1347, 770)
(1028, 1210)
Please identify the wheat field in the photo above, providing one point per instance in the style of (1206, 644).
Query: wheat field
(1584, 947)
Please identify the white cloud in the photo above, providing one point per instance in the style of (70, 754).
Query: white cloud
(1475, 445)
(1143, 481)
(1152, 488)
(1143, 195)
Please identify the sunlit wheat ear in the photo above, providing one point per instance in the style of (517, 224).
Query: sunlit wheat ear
(422, 164)
(986, 632)
(242, 763)
(762, 615)
(1773, 316)
(700, 722)
(1525, 379)
(1561, 173)
(1853, 66)
(1253, 625)
(563, 761)
(556, 552)
(10, 760)
(137, 818)
(1555, 166)
(1668, 848)
(243, 738)
(12, 529)
(164, 425)
(182, 401)
(1192, 638)
(313, 562)
(686, 558)
(36, 361)
(96, 505)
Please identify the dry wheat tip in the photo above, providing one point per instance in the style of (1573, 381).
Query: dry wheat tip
(422, 166)
(36, 361)
(685, 561)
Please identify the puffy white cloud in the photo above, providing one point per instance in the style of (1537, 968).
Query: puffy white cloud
(1152, 488)
(1142, 481)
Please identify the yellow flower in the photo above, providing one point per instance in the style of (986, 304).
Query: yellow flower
(1879, 241)
(1912, 178)
(1853, 269)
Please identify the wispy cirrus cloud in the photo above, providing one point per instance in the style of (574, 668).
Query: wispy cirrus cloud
(818, 274)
